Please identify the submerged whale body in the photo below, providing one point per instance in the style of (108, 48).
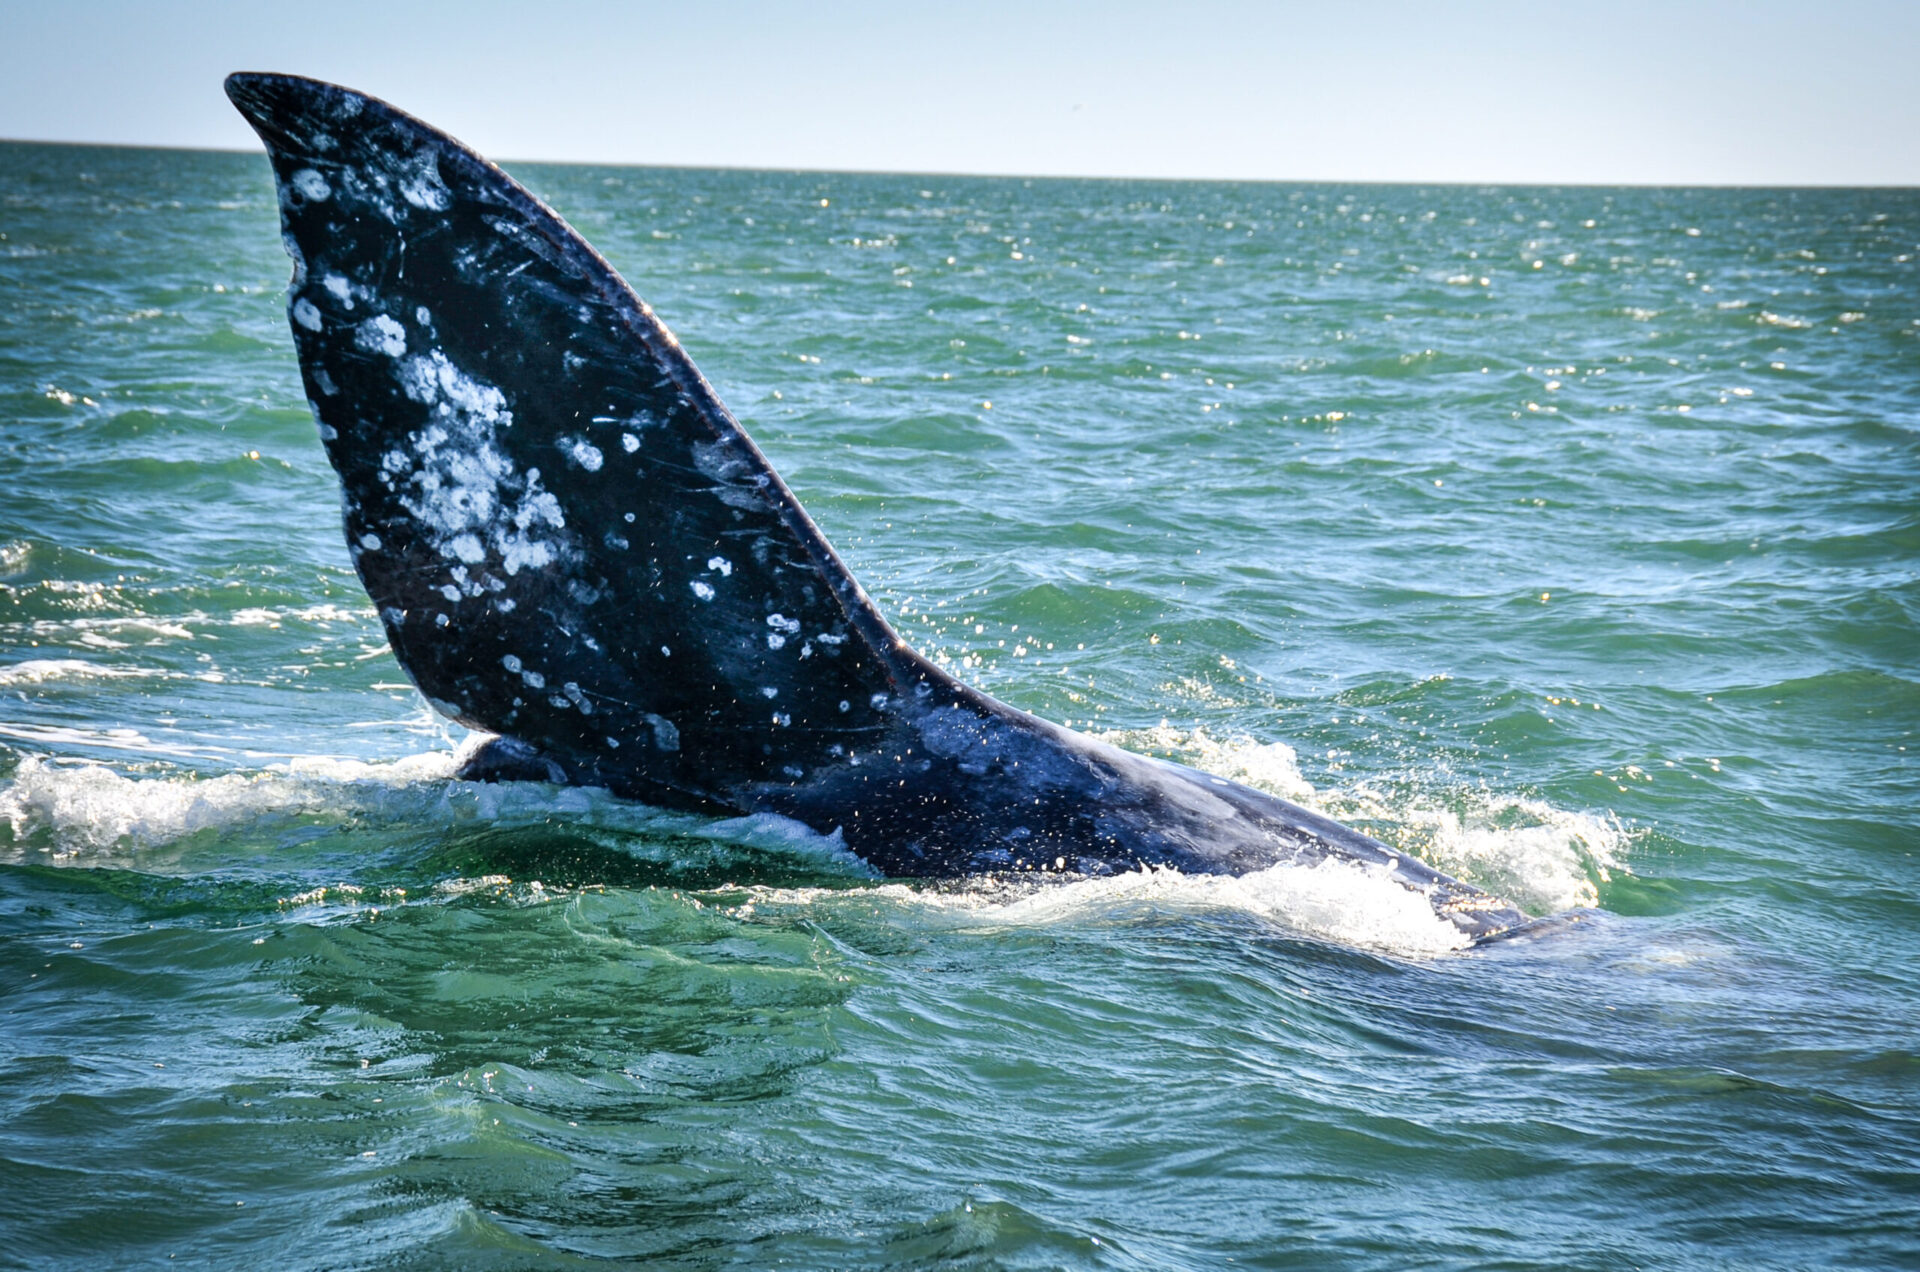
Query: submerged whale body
(573, 544)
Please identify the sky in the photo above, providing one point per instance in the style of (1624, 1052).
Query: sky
(1685, 92)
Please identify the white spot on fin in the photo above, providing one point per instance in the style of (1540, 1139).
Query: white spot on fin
(381, 334)
(311, 185)
(583, 453)
(666, 736)
(420, 183)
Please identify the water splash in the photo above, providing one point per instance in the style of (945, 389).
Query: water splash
(1332, 900)
(75, 807)
(80, 811)
(1542, 858)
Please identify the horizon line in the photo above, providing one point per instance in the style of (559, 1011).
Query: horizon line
(1039, 176)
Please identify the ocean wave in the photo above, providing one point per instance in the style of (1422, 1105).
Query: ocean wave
(78, 811)
(109, 632)
(80, 808)
(1544, 859)
(34, 671)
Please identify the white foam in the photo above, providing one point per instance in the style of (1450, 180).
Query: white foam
(1331, 900)
(83, 809)
(1269, 766)
(35, 671)
(81, 806)
(131, 741)
(1543, 859)
(1337, 900)
(122, 633)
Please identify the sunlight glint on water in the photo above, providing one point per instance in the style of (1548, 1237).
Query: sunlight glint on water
(1564, 538)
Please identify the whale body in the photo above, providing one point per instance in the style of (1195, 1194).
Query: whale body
(574, 546)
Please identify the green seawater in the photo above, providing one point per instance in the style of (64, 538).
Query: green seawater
(1568, 537)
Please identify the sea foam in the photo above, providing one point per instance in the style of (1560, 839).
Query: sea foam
(1543, 858)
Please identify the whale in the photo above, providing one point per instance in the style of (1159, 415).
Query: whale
(575, 549)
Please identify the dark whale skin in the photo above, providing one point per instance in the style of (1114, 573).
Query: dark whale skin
(573, 544)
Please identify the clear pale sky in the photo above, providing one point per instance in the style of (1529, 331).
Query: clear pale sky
(1683, 92)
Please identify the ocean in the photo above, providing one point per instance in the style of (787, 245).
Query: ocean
(1567, 538)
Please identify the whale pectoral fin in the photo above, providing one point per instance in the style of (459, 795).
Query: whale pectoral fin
(569, 539)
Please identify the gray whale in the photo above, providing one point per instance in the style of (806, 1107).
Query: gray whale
(573, 544)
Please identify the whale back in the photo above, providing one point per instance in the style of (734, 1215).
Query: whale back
(568, 537)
